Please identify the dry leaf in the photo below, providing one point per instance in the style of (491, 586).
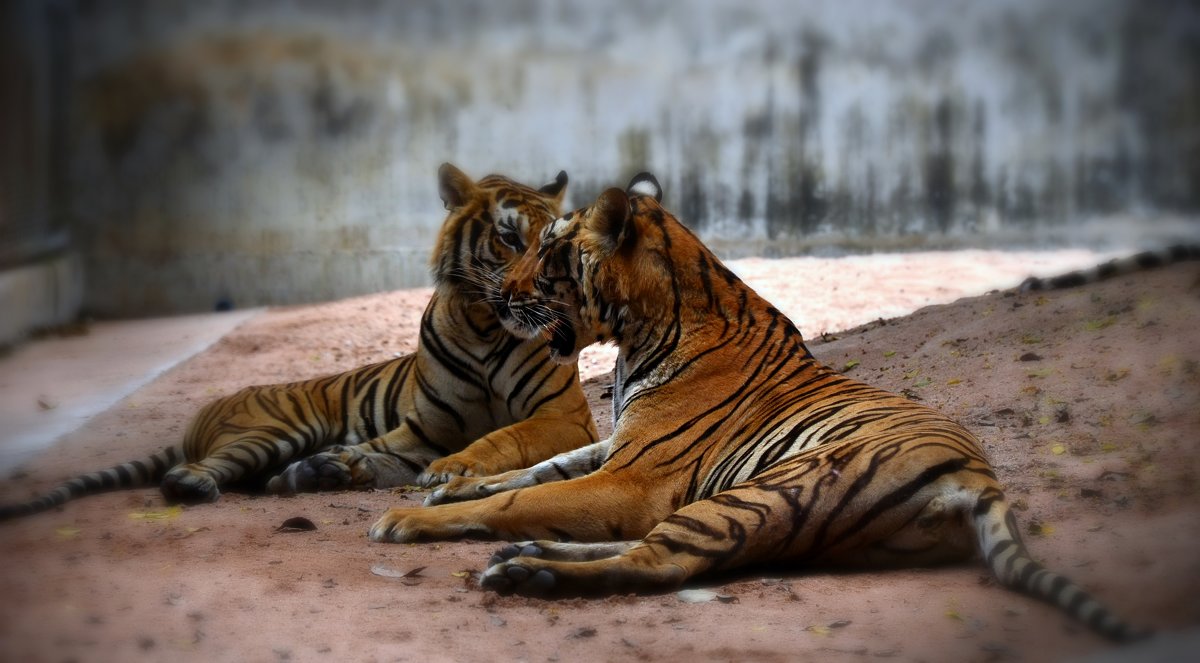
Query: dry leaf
(160, 514)
(1144, 419)
(297, 524)
(1037, 528)
(696, 595)
(704, 596)
(386, 572)
(583, 632)
(1094, 325)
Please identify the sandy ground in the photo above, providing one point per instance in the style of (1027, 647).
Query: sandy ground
(1086, 400)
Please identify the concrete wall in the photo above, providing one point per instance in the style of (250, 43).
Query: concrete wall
(40, 275)
(241, 153)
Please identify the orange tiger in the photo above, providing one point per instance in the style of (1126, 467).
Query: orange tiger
(473, 399)
(732, 445)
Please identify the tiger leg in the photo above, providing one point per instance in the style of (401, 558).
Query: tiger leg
(562, 551)
(660, 562)
(568, 465)
(598, 507)
(243, 457)
(392, 459)
(516, 446)
(807, 509)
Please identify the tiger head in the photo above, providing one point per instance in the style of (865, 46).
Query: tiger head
(587, 274)
(488, 227)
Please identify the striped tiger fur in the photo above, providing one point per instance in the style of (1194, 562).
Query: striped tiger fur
(473, 398)
(732, 445)
(1115, 267)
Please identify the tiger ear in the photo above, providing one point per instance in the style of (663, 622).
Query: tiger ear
(557, 188)
(645, 184)
(610, 219)
(454, 186)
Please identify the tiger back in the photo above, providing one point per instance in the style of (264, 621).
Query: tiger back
(732, 445)
(472, 399)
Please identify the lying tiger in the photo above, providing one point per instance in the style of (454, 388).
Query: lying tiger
(732, 445)
(472, 400)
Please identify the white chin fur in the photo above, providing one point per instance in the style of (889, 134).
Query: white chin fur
(519, 330)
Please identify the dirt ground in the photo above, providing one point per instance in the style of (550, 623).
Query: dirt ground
(1086, 399)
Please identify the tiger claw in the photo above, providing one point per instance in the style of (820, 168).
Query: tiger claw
(447, 469)
(394, 526)
(460, 489)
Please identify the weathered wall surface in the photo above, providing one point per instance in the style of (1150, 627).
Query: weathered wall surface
(239, 153)
(40, 275)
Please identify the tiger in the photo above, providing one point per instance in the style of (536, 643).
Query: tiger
(732, 445)
(472, 400)
(1113, 268)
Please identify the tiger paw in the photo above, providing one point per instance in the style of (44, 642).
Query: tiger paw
(443, 470)
(514, 569)
(187, 485)
(461, 489)
(405, 525)
(328, 470)
(514, 550)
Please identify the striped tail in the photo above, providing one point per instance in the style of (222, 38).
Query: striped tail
(1115, 267)
(1000, 543)
(133, 474)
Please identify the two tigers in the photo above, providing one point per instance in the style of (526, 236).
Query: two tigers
(472, 400)
(731, 446)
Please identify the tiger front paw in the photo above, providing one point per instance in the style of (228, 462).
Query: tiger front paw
(461, 489)
(445, 469)
(405, 525)
(328, 470)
